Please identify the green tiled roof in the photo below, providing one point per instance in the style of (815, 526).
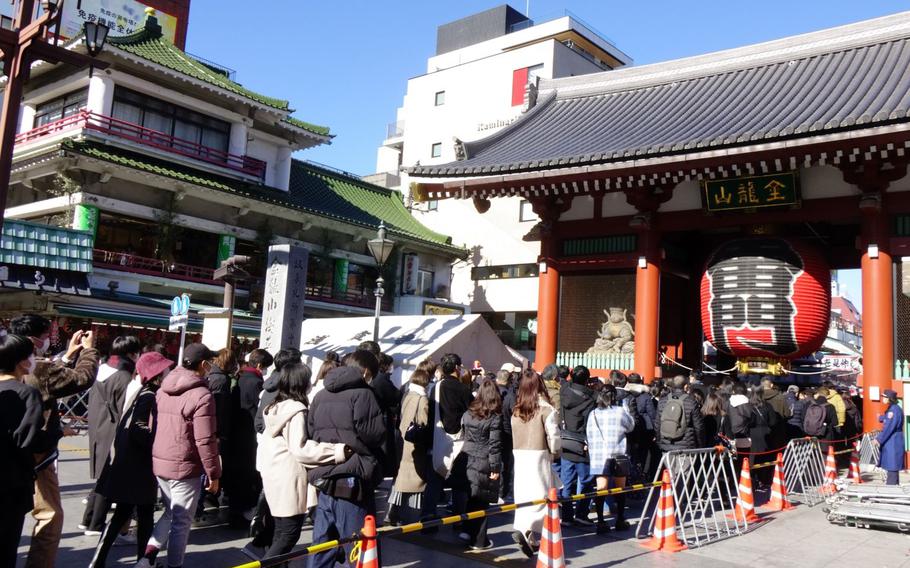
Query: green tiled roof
(148, 43)
(313, 189)
(43, 246)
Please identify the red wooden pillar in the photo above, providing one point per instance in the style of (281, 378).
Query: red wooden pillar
(547, 309)
(647, 303)
(878, 309)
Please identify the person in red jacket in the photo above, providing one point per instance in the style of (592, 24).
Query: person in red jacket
(185, 448)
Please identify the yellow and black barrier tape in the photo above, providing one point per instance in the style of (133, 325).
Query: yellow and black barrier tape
(443, 521)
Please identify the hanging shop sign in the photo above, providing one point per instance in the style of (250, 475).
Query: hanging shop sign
(766, 297)
(754, 192)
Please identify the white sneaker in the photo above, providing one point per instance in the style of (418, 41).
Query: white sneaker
(81, 527)
(125, 540)
(92, 533)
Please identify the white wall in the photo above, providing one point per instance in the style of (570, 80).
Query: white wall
(267, 151)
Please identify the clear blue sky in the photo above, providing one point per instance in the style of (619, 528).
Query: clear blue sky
(345, 64)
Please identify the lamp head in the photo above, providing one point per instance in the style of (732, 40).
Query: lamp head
(95, 37)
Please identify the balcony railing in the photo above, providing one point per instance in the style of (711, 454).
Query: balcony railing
(395, 129)
(364, 299)
(151, 266)
(147, 137)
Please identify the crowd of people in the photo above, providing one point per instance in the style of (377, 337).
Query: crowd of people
(295, 448)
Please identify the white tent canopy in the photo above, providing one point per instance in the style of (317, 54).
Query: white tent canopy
(409, 340)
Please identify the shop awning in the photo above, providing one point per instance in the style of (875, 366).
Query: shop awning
(44, 280)
(149, 317)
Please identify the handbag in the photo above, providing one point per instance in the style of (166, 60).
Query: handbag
(574, 443)
(417, 434)
(446, 447)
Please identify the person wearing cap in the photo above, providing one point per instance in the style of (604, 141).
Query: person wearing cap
(127, 479)
(185, 448)
(891, 438)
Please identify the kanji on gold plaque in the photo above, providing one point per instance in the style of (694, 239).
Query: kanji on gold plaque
(756, 192)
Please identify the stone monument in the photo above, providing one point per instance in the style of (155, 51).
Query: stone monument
(282, 302)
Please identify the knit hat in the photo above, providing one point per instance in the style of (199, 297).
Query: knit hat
(152, 364)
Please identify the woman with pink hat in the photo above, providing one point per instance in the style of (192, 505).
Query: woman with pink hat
(127, 479)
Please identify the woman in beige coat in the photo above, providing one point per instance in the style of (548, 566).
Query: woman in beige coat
(407, 492)
(535, 443)
(284, 453)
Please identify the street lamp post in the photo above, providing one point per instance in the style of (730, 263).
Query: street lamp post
(28, 42)
(380, 248)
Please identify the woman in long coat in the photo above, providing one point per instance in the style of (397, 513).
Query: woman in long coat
(127, 478)
(891, 438)
(482, 427)
(411, 481)
(535, 442)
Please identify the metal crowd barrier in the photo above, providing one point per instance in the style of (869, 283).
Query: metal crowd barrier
(869, 452)
(74, 410)
(804, 470)
(704, 486)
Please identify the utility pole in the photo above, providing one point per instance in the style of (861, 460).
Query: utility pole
(29, 41)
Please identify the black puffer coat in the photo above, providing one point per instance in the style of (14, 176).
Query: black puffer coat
(577, 402)
(694, 436)
(220, 387)
(483, 448)
(346, 412)
(128, 477)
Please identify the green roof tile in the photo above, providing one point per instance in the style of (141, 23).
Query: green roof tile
(148, 43)
(313, 189)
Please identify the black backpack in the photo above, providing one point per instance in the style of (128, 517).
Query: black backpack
(814, 422)
(673, 419)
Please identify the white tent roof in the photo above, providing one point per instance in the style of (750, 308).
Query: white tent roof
(409, 340)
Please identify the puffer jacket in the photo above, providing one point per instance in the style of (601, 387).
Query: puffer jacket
(346, 412)
(269, 392)
(483, 448)
(694, 436)
(647, 409)
(186, 442)
(220, 385)
(577, 402)
(284, 454)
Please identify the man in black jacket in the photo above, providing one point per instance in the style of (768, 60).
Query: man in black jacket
(576, 402)
(346, 411)
(692, 423)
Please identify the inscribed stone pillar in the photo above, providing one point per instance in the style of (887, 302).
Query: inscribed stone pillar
(282, 305)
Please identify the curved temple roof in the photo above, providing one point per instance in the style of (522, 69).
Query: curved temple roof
(851, 77)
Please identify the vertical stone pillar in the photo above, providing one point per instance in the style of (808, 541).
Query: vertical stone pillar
(547, 307)
(237, 140)
(282, 305)
(878, 309)
(281, 177)
(100, 94)
(647, 302)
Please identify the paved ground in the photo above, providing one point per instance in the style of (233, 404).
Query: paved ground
(801, 538)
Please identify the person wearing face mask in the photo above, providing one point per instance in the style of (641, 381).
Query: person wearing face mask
(346, 412)
(73, 373)
(21, 435)
(105, 406)
(127, 478)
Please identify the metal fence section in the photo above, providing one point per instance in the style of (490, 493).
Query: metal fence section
(618, 361)
(804, 470)
(74, 410)
(869, 452)
(704, 487)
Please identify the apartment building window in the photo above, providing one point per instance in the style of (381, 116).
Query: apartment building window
(499, 272)
(440, 98)
(436, 150)
(425, 283)
(520, 79)
(432, 205)
(526, 212)
(172, 120)
(61, 107)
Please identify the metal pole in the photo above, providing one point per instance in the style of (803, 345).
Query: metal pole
(379, 292)
(229, 306)
(182, 342)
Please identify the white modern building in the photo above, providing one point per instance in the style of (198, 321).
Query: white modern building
(475, 84)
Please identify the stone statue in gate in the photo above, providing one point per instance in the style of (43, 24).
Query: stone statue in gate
(616, 335)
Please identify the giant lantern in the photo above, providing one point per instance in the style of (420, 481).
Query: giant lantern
(766, 301)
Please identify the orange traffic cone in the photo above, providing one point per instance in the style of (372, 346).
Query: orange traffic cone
(664, 537)
(779, 501)
(854, 465)
(551, 553)
(745, 502)
(828, 486)
(369, 551)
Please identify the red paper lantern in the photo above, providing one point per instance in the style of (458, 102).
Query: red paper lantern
(766, 297)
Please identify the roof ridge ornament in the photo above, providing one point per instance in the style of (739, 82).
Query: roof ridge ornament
(461, 151)
(152, 27)
(530, 96)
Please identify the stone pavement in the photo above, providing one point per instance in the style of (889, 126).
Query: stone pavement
(801, 538)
